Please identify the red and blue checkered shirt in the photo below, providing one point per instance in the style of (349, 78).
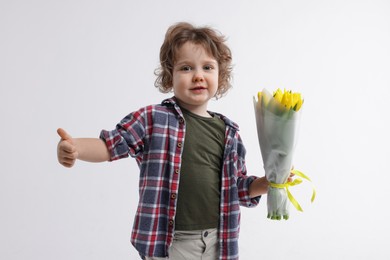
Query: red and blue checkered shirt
(154, 136)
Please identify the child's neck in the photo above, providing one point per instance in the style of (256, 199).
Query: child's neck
(197, 110)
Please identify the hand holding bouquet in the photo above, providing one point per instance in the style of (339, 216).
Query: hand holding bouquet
(277, 119)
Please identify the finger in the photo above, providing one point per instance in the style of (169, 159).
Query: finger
(69, 156)
(66, 146)
(68, 164)
(68, 161)
(63, 134)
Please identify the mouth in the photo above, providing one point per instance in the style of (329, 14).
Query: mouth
(198, 88)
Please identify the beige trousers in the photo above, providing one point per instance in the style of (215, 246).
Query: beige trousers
(193, 245)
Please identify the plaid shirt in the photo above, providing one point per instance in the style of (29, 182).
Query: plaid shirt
(154, 136)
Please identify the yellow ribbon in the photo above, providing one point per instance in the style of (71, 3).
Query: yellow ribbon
(297, 181)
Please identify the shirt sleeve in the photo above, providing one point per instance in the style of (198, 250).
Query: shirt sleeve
(127, 138)
(244, 181)
(243, 184)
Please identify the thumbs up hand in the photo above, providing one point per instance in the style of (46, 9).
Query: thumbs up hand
(66, 149)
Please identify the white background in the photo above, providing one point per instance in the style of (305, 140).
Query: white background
(83, 65)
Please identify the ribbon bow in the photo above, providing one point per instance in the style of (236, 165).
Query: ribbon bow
(297, 181)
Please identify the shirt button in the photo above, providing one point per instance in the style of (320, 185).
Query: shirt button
(170, 222)
(181, 120)
(206, 234)
(177, 171)
(179, 145)
(173, 196)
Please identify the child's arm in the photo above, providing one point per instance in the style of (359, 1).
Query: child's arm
(258, 187)
(87, 149)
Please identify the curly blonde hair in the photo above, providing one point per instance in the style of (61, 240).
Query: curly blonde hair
(210, 39)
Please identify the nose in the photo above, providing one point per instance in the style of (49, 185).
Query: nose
(198, 76)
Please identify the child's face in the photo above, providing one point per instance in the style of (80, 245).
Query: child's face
(195, 78)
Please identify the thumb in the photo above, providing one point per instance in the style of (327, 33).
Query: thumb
(64, 135)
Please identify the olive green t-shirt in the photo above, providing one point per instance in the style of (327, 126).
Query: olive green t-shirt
(198, 200)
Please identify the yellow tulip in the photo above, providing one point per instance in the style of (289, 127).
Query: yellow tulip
(262, 99)
(297, 101)
(278, 95)
(259, 94)
(288, 99)
(298, 105)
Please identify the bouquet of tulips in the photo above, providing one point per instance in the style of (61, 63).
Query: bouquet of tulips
(277, 119)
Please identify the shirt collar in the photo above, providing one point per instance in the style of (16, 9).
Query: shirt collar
(173, 101)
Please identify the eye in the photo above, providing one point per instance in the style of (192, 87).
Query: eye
(186, 68)
(208, 67)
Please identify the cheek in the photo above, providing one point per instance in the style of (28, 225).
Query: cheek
(181, 79)
(175, 80)
(216, 79)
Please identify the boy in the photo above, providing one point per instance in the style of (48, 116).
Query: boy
(192, 161)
